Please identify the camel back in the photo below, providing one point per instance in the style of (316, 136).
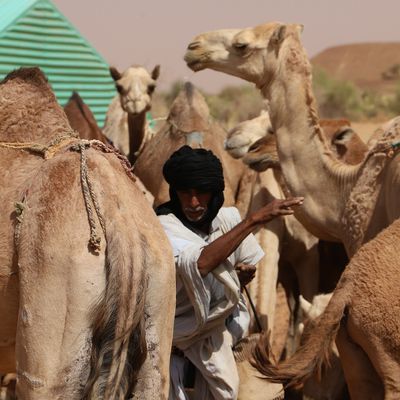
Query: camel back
(34, 127)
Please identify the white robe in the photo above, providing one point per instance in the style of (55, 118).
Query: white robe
(203, 305)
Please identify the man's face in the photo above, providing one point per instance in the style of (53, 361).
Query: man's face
(194, 203)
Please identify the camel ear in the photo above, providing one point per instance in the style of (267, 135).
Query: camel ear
(342, 136)
(300, 28)
(305, 305)
(156, 72)
(278, 35)
(115, 74)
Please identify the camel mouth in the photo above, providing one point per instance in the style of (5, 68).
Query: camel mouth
(194, 65)
(261, 164)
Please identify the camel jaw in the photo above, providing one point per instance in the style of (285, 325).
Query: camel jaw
(194, 62)
(262, 163)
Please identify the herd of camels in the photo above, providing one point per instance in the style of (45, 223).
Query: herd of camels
(87, 277)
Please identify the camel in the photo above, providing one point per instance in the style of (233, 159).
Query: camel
(348, 203)
(86, 270)
(188, 122)
(330, 384)
(126, 124)
(254, 142)
(252, 386)
(363, 317)
(82, 120)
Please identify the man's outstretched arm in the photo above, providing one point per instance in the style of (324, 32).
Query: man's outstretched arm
(220, 249)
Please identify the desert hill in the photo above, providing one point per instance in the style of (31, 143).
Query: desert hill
(373, 66)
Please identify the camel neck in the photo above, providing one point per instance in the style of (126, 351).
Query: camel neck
(308, 166)
(137, 129)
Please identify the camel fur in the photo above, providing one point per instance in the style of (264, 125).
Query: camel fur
(78, 316)
(363, 318)
(348, 203)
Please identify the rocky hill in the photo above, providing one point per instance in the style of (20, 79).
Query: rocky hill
(369, 65)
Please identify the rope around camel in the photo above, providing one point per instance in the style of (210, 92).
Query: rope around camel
(50, 150)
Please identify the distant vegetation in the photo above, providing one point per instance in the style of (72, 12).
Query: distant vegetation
(335, 99)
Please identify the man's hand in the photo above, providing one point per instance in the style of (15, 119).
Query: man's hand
(245, 273)
(276, 208)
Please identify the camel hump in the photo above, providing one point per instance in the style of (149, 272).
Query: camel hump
(32, 75)
(189, 111)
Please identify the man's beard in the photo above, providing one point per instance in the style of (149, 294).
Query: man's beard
(198, 209)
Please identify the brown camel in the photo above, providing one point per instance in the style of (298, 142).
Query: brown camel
(126, 124)
(81, 119)
(252, 386)
(330, 384)
(363, 317)
(342, 202)
(189, 122)
(86, 271)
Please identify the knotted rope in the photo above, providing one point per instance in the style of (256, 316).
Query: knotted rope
(47, 151)
(90, 197)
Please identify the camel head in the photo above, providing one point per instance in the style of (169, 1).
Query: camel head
(263, 154)
(135, 87)
(253, 54)
(243, 135)
(345, 144)
(189, 115)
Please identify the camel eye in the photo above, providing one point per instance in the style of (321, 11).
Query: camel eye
(240, 46)
(270, 131)
(119, 88)
(151, 88)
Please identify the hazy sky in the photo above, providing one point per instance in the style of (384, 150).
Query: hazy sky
(150, 32)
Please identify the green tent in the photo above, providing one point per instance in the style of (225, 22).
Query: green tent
(35, 33)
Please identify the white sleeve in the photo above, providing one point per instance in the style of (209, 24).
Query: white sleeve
(249, 251)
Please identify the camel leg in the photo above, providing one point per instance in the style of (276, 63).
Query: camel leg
(60, 281)
(307, 272)
(263, 287)
(386, 366)
(361, 377)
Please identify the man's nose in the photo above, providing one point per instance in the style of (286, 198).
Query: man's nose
(194, 201)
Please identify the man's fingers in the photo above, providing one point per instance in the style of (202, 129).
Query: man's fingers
(295, 201)
(287, 211)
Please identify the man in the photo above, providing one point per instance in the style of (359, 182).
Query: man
(209, 241)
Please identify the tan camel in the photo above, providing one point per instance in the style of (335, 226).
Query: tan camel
(342, 203)
(126, 124)
(297, 248)
(189, 122)
(82, 120)
(363, 317)
(260, 151)
(276, 239)
(86, 271)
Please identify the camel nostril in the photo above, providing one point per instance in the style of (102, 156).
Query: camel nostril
(193, 46)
